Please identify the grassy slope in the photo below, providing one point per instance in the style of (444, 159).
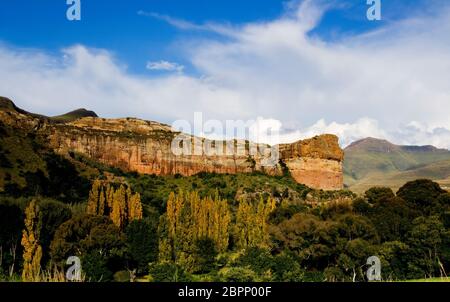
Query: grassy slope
(379, 163)
(73, 115)
(19, 153)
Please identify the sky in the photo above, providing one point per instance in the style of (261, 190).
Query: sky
(298, 68)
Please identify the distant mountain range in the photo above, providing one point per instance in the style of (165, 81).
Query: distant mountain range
(374, 162)
(6, 103)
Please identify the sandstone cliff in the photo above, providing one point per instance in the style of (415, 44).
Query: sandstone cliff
(145, 147)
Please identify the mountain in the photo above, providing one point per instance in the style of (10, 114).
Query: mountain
(134, 145)
(7, 104)
(375, 162)
(74, 115)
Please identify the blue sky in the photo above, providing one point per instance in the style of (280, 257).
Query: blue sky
(135, 39)
(304, 67)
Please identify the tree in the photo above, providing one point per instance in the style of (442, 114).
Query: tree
(142, 242)
(119, 211)
(394, 260)
(121, 204)
(134, 207)
(377, 194)
(204, 254)
(11, 227)
(32, 254)
(168, 272)
(421, 195)
(96, 240)
(52, 214)
(93, 207)
(426, 239)
(252, 223)
(188, 219)
(392, 218)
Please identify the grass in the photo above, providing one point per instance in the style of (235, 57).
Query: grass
(443, 279)
(379, 163)
(73, 115)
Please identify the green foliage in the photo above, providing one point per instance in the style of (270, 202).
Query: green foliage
(51, 214)
(154, 190)
(301, 235)
(238, 274)
(421, 194)
(257, 259)
(142, 243)
(11, 226)
(372, 162)
(377, 194)
(205, 254)
(392, 219)
(427, 240)
(167, 272)
(122, 276)
(96, 240)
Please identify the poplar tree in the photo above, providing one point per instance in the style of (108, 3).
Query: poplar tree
(32, 253)
(118, 212)
(135, 208)
(121, 205)
(251, 223)
(165, 247)
(189, 219)
(94, 197)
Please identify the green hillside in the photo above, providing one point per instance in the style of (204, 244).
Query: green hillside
(74, 115)
(374, 162)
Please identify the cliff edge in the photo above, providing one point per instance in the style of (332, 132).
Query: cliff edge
(145, 147)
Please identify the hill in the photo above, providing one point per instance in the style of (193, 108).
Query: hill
(74, 115)
(375, 162)
(146, 147)
(7, 104)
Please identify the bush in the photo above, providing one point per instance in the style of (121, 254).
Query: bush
(167, 272)
(421, 194)
(237, 274)
(377, 194)
(142, 242)
(96, 240)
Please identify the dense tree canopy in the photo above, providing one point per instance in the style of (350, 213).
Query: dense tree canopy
(275, 234)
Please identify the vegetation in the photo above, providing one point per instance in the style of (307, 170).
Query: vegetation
(207, 227)
(373, 162)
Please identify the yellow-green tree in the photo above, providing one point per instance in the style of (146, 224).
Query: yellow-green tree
(118, 212)
(121, 204)
(251, 229)
(134, 207)
(32, 250)
(190, 218)
(94, 198)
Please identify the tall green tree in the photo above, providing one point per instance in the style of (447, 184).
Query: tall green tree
(32, 254)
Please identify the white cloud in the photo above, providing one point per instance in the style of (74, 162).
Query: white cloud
(373, 84)
(186, 25)
(272, 131)
(165, 65)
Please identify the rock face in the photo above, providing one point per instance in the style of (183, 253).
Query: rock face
(147, 147)
(316, 162)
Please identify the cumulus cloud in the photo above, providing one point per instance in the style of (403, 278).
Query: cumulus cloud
(165, 65)
(272, 131)
(373, 84)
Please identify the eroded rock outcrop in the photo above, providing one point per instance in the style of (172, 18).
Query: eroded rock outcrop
(145, 147)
